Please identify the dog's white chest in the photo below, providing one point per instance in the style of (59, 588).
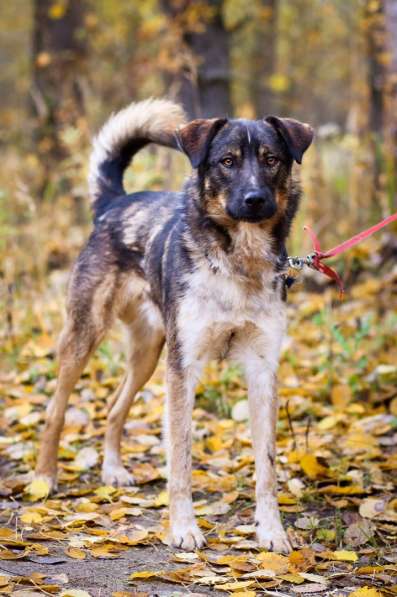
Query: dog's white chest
(216, 306)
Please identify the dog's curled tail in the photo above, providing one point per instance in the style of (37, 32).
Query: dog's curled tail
(122, 136)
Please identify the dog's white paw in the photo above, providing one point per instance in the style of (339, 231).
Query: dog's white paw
(187, 536)
(118, 476)
(273, 538)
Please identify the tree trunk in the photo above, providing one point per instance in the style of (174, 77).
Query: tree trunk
(375, 38)
(391, 99)
(203, 77)
(59, 64)
(181, 78)
(213, 73)
(263, 59)
(376, 68)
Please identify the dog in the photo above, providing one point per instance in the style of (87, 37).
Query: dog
(203, 270)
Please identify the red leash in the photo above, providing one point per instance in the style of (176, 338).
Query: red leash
(314, 260)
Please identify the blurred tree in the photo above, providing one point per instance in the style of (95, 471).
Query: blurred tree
(181, 72)
(263, 58)
(391, 122)
(203, 76)
(376, 48)
(59, 53)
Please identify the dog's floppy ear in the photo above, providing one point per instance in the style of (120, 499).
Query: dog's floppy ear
(297, 135)
(195, 138)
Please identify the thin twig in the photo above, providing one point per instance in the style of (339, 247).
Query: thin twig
(290, 425)
(307, 432)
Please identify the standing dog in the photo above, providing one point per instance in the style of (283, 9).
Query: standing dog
(202, 269)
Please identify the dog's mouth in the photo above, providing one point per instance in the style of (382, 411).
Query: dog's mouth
(253, 215)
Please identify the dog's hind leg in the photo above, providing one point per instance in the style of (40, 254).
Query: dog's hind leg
(145, 341)
(89, 316)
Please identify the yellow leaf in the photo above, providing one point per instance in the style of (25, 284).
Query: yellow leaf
(137, 536)
(329, 422)
(145, 574)
(162, 499)
(239, 563)
(273, 561)
(118, 513)
(393, 407)
(341, 395)
(214, 509)
(38, 489)
(76, 553)
(370, 569)
(105, 492)
(286, 500)
(337, 490)
(235, 586)
(106, 550)
(124, 511)
(86, 507)
(294, 456)
(366, 592)
(31, 517)
(311, 467)
(294, 578)
(41, 550)
(345, 556)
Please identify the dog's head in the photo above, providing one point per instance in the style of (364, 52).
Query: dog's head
(244, 165)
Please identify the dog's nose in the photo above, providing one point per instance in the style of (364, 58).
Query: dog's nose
(254, 199)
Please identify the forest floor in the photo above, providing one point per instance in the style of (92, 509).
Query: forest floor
(336, 458)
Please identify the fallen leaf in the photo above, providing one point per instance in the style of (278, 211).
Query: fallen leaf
(272, 561)
(31, 517)
(366, 592)
(310, 588)
(235, 586)
(76, 553)
(311, 467)
(345, 556)
(372, 507)
(38, 489)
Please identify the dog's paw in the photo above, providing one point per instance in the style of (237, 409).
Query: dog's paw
(118, 476)
(187, 536)
(273, 539)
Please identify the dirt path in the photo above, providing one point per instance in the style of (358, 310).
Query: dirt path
(101, 578)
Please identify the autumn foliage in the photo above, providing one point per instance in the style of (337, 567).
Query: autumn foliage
(332, 64)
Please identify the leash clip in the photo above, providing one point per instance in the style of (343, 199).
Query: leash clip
(298, 263)
(310, 260)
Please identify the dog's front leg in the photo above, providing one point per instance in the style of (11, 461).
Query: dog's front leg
(263, 407)
(184, 531)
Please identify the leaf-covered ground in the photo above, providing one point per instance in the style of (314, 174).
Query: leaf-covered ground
(337, 458)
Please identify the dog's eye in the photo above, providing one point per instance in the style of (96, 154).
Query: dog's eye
(228, 162)
(271, 160)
